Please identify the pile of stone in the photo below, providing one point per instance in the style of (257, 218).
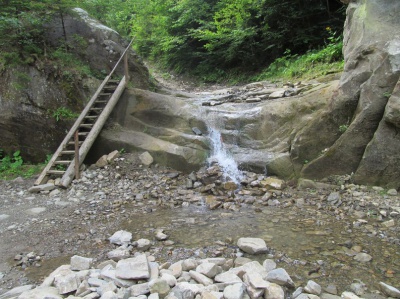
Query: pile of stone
(139, 276)
(260, 91)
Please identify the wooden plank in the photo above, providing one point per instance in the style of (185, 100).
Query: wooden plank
(67, 152)
(59, 172)
(77, 176)
(62, 162)
(87, 144)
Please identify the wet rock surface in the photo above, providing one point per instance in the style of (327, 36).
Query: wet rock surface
(330, 236)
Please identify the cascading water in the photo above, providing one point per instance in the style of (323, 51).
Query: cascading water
(225, 160)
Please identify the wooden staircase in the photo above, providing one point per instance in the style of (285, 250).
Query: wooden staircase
(72, 151)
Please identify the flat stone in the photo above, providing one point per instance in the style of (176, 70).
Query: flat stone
(146, 159)
(35, 211)
(121, 237)
(16, 291)
(273, 183)
(184, 290)
(112, 156)
(235, 291)
(102, 162)
(363, 257)
(39, 188)
(119, 253)
(133, 268)
(200, 278)
(4, 217)
(176, 269)
(159, 286)
(79, 263)
(189, 264)
(255, 280)
(143, 244)
(66, 282)
(389, 290)
(109, 295)
(392, 192)
(197, 131)
(227, 277)
(277, 94)
(269, 265)
(209, 269)
(107, 287)
(329, 296)
(169, 278)
(331, 289)
(349, 295)
(139, 289)
(255, 267)
(313, 288)
(389, 223)
(280, 276)
(274, 291)
(333, 197)
(252, 245)
(109, 273)
(40, 293)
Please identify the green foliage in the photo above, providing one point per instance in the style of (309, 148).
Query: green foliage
(63, 113)
(343, 128)
(210, 38)
(12, 166)
(387, 94)
(312, 64)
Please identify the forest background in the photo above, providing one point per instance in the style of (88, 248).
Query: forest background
(212, 40)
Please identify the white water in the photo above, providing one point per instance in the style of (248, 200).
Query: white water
(225, 160)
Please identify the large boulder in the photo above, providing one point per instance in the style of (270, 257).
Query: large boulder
(356, 132)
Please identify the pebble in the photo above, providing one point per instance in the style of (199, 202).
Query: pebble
(363, 257)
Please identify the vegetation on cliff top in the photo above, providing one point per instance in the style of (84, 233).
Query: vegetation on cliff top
(212, 39)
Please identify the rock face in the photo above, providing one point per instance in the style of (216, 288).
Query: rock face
(29, 94)
(365, 106)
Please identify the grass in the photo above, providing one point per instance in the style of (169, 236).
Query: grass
(313, 64)
(13, 166)
(63, 113)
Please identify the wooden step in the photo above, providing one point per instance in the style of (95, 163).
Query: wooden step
(101, 102)
(67, 153)
(91, 116)
(73, 142)
(96, 109)
(83, 133)
(62, 162)
(105, 94)
(113, 81)
(59, 172)
(86, 126)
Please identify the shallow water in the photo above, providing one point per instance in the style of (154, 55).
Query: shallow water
(307, 243)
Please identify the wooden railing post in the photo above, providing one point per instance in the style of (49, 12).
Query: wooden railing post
(126, 69)
(77, 175)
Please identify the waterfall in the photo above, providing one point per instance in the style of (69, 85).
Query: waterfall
(225, 160)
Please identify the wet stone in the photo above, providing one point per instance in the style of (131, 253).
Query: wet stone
(363, 257)
(389, 290)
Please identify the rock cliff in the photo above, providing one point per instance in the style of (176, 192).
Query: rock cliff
(365, 106)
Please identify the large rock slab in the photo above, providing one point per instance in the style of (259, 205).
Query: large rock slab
(133, 268)
(252, 245)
